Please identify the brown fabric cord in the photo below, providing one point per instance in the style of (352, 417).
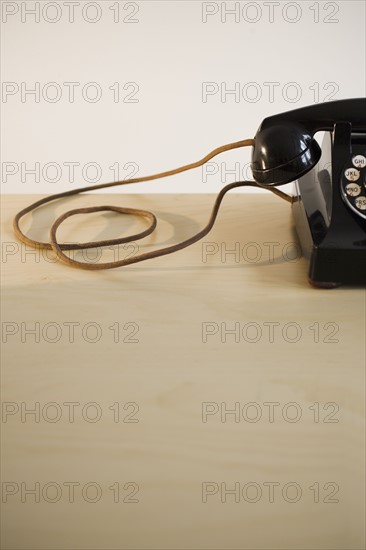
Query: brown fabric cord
(59, 248)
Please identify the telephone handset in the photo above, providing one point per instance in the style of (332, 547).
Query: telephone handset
(329, 205)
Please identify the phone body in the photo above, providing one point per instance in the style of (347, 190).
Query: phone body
(329, 206)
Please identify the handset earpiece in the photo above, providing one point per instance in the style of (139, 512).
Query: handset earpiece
(282, 153)
(285, 147)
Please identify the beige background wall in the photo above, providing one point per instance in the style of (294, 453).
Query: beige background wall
(170, 66)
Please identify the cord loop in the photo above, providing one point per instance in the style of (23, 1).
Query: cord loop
(59, 247)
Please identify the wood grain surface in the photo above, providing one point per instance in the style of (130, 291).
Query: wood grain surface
(210, 399)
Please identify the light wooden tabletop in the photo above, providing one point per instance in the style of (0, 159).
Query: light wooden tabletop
(209, 399)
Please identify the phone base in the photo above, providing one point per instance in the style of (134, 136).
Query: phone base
(330, 264)
(323, 284)
(332, 237)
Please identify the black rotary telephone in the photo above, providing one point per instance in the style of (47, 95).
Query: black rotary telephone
(329, 205)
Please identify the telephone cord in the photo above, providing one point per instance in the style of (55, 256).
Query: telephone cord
(59, 248)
